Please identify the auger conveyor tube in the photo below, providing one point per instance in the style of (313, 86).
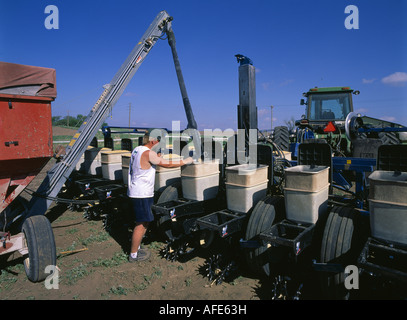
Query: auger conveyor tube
(61, 171)
(192, 125)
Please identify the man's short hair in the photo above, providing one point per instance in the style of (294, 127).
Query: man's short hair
(148, 137)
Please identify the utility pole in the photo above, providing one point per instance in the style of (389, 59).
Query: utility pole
(67, 119)
(129, 112)
(271, 118)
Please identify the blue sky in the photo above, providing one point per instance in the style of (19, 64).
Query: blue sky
(295, 45)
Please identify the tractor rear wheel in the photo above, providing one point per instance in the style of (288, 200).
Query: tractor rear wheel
(282, 137)
(389, 138)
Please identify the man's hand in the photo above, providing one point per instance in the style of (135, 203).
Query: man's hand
(188, 160)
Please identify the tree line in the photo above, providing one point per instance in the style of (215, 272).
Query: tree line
(70, 121)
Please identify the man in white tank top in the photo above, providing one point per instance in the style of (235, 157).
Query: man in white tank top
(141, 190)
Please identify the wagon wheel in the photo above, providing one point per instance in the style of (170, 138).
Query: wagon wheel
(40, 241)
(342, 241)
(264, 214)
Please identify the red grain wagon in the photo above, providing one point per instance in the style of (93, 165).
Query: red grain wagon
(26, 93)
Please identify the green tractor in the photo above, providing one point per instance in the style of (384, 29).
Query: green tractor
(329, 117)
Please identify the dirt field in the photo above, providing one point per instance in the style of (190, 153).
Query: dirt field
(60, 131)
(102, 270)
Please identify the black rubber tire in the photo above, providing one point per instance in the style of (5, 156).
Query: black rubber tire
(342, 241)
(262, 218)
(172, 192)
(11, 215)
(389, 138)
(282, 137)
(40, 241)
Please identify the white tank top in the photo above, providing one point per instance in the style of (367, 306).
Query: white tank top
(141, 182)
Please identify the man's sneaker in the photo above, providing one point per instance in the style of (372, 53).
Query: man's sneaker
(142, 255)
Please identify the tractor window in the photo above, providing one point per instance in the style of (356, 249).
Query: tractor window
(329, 106)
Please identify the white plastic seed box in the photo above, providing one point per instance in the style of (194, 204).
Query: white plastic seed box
(172, 157)
(388, 221)
(93, 153)
(201, 169)
(112, 171)
(126, 160)
(241, 199)
(247, 175)
(113, 156)
(305, 206)
(93, 167)
(200, 188)
(164, 178)
(388, 205)
(79, 165)
(306, 177)
(389, 186)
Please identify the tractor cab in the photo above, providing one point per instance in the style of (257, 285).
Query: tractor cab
(325, 105)
(324, 118)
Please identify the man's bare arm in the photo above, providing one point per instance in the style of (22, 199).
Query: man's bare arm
(159, 161)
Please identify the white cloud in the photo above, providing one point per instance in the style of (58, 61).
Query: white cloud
(130, 94)
(263, 112)
(362, 110)
(388, 118)
(266, 86)
(367, 81)
(396, 79)
(286, 82)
